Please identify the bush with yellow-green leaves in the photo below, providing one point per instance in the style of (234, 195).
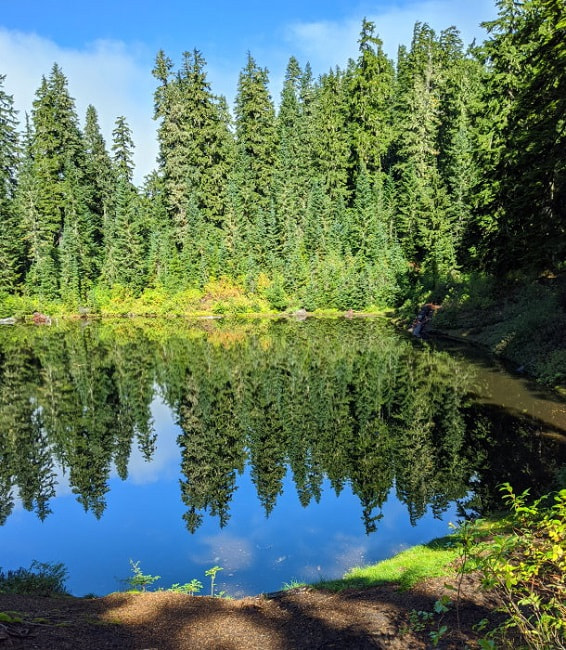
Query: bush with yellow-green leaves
(523, 559)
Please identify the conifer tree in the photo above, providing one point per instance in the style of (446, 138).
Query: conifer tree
(379, 262)
(11, 244)
(163, 266)
(331, 144)
(124, 235)
(256, 145)
(55, 148)
(423, 219)
(98, 176)
(317, 223)
(370, 90)
(460, 103)
(289, 183)
(77, 249)
(196, 144)
(524, 216)
(205, 136)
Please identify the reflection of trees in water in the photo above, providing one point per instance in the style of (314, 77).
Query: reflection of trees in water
(211, 446)
(70, 400)
(347, 401)
(506, 447)
(25, 452)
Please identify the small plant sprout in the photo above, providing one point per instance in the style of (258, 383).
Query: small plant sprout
(212, 574)
(140, 580)
(293, 584)
(436, 635)
(421, 620)
(190, 588)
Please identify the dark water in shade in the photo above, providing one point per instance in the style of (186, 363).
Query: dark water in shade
(279, 450)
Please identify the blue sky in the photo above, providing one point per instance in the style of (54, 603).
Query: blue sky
(107, 48)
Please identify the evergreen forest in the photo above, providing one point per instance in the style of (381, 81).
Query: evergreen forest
(351, 190)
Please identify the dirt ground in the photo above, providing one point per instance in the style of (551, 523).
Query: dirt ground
(304, 618)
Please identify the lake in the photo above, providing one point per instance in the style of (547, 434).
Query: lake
(280, 450)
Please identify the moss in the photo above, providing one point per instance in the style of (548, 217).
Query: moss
(10, 617)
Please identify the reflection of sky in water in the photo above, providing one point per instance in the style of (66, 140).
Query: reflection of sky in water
(143, 522)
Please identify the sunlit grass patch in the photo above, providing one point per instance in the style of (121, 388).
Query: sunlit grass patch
(407, 568)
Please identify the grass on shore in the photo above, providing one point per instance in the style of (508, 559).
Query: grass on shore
(407, 568)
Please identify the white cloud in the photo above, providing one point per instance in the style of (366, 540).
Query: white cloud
(329, 43)
(116, 80)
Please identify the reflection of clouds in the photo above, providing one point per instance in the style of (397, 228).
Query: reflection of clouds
(394, 513)
(312, 573)
(164, 464)
(230, 552)
(62, 481)
(339, 554)
(165, 461)
(343, 553)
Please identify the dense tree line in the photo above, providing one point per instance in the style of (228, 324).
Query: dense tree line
(352, 187)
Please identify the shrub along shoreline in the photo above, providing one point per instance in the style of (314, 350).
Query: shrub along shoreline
(522, 321)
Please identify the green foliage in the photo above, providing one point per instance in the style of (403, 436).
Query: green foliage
(523, 160)
(211, 573)
(276, 295)
(41, 579)
(293, 584)
(191, 588)
(407, 568)
(10, 617)
(421, 620)
(522, 321)
(523, 560)
(256, 140)
(140, 580)
(11, 235)
(52, 189)
(121, 301)
(370, 91)
(447, 161)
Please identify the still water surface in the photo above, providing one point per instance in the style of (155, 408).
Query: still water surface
(279, 450)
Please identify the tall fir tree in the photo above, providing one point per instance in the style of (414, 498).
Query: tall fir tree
(423, 219)
(524, 151)
(331, 144)
(55, 148)
(77, 249)
(370, 91)
(125, 244)
(98, 176)
(256, 139)
(196, 150)
(163, 266)
(11, 244)
(292, 176)
(460, 105)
